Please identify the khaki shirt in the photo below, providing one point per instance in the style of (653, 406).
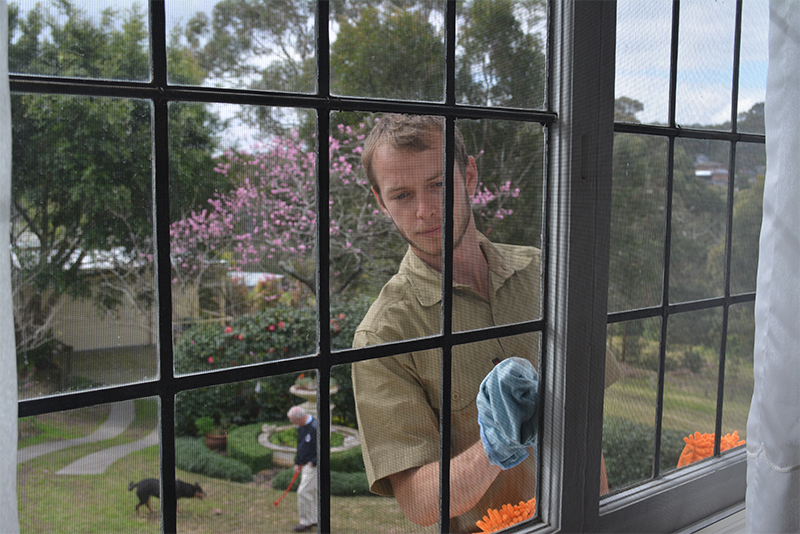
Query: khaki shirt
(397, 397)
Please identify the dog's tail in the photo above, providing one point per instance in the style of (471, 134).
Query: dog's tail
(132, 485)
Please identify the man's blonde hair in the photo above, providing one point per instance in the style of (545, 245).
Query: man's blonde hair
(414, 133)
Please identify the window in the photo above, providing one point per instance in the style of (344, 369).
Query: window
(135, 296)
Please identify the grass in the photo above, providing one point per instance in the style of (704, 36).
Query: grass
(689, 402)
(102, 503)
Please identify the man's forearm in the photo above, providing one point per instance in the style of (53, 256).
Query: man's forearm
(417, 489)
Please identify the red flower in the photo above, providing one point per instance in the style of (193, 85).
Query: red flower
(271, 350)
(272, 328)
(228, 330)
(281, 325)
(241, 337)
(210, 359)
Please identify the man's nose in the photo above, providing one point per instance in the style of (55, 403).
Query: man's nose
(428, 206)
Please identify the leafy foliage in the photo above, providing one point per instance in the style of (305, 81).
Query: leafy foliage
(628, 450)
(243, 446)
(81, 177)
(193, 456)
(270, 334)
(342, 484)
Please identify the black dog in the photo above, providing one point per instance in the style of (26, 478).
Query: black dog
(148, 487)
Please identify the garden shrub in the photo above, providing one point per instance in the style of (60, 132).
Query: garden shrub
(269, 334)
(243, 446)
(193, 456)
(348, 461)
(342, 484)
(628, 450)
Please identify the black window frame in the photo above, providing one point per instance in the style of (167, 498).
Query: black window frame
(580, 127)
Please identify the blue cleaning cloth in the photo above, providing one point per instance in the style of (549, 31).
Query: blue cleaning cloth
(507, 411)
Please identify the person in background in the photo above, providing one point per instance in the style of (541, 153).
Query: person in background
(305, 463)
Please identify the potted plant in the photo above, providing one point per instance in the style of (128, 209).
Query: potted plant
(215, 435)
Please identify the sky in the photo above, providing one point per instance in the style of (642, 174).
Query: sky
(705, 58)
(643, 53)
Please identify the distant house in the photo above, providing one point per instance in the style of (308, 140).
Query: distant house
(712, 172)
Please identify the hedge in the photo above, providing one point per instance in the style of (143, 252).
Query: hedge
(628, 450)
(243, 446)
(192, 455)
(270, 334)
(342, 484)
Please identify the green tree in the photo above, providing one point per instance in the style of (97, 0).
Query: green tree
(81, 177)
(365, 47)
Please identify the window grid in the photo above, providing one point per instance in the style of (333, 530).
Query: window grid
(160, 94)
(665, 310)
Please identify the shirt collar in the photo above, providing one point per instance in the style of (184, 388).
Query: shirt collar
(427, 282)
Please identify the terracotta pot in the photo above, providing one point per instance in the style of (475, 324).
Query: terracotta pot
(216, 442)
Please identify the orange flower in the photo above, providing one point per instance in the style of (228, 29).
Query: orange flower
(507, 515)
(701, 446)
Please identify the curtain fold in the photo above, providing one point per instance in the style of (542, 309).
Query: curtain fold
(8, 350)
(773, 427)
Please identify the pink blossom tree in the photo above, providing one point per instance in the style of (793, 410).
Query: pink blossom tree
(270, 216)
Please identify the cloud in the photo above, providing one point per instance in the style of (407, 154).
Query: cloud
(705, 58)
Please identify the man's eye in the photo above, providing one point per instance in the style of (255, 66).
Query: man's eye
(438, 184)
(401, 196)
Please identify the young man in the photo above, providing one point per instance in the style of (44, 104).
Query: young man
(397, 397)
(305, 463)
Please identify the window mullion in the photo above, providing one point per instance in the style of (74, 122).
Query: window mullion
(577, 261)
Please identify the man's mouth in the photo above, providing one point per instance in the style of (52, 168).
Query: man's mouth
(430, 232)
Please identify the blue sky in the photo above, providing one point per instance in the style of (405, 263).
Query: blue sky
(643, 51)
(705, 58)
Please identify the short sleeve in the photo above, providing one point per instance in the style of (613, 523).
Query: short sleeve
(398, 426)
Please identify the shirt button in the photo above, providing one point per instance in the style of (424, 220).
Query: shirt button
(456, 396)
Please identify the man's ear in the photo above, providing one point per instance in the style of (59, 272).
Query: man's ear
(380, 202)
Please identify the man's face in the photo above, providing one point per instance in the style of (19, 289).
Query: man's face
(411, 185)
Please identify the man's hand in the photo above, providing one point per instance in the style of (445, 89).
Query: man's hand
(507, 411)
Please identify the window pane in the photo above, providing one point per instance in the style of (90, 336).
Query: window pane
(253, 45)
(99, 39)
(235, 441)
(642, 64)
(501, 54)
(81, 242)
(353, 507)
(690, 387)
(637, 222)
(630, 404)
(738, 369)
(705, 63)
(398, 404)
(753, 65)
(698, 219)
(386, 51)
(242, 242)
(747, 213)
(74, 467)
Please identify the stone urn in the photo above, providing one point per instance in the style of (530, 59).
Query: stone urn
(310, 397)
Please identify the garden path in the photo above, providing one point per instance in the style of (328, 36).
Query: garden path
(120, 418)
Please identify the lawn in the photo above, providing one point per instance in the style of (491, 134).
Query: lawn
(689, 400)
(102, 503)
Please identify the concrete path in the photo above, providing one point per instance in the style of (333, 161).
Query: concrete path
(97, 463)
(121, 416)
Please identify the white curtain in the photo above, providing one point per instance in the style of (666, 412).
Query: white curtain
(773, 428)
(8, 351)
